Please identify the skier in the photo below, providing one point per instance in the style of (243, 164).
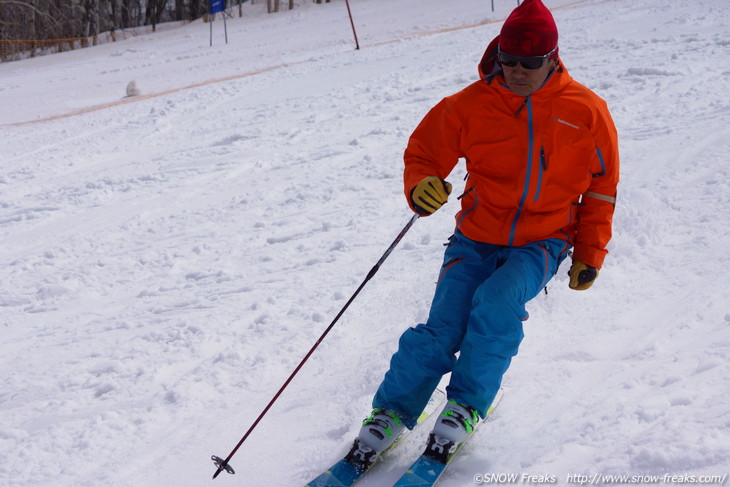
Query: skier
(541, 154)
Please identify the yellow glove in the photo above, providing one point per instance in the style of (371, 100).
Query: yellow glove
(429, 195)
(581, 275)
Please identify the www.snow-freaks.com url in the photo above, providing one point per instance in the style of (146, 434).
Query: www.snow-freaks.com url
(612, 479)
(600, 479)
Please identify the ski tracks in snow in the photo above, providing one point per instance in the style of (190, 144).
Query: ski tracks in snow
(162, 250)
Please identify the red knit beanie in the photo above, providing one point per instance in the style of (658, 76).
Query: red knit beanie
(529, 31)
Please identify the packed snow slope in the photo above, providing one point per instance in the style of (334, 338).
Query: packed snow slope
(167, 261)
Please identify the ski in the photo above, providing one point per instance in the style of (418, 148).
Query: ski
(346, 473)
(427, 469)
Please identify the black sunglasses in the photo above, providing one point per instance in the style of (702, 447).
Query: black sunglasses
(530, 62)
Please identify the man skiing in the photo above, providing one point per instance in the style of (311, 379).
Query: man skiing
(541, 154)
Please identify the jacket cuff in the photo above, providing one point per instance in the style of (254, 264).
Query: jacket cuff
(589, 256)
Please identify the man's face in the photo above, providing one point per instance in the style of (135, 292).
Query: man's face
(525, 81)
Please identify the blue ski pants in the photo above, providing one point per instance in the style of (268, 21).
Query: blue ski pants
(477, 311)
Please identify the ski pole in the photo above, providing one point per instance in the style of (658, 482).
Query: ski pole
(223, 464)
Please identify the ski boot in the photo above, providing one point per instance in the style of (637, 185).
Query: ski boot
(378, 433)
(453, 427)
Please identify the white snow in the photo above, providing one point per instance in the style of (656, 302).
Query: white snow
(167, 259)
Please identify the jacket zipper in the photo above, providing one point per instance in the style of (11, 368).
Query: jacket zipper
(541, 169)
(527, 103)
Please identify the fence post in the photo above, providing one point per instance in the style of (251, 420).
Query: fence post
(352, 23)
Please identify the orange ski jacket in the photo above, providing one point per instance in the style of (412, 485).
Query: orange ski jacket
(539, 167)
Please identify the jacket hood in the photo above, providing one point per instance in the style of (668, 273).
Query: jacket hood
(489, 67)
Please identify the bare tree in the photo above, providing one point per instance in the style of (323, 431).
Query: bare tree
(197, 9)
(275, 5)
(155, 9)
(30, 27)
(90, 21)
(179, 9)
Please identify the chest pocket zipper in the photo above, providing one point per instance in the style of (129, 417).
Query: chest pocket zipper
(541, 169)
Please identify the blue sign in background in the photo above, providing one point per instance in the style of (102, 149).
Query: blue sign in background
(216, 6)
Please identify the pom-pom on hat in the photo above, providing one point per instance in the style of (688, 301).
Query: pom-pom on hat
(529, 30)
